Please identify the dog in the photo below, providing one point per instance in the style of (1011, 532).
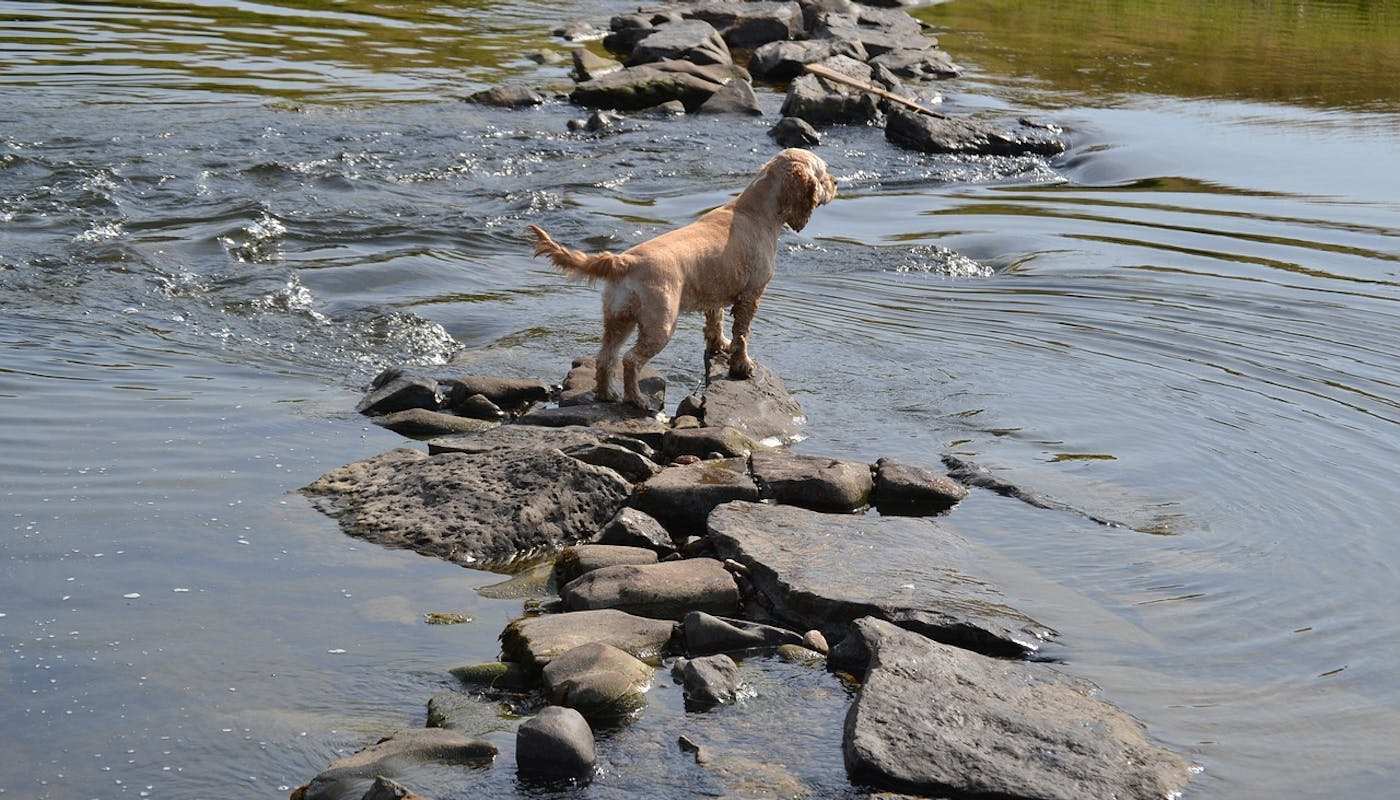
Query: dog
(724, 259)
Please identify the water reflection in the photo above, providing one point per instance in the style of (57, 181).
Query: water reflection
(1323, 53)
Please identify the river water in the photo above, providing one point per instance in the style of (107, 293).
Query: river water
(218, 219)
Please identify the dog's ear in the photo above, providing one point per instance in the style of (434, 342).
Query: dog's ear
(800, 194)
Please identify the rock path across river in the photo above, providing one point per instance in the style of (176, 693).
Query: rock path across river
(715, 548)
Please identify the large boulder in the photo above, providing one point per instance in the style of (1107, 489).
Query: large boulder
(825, 571)
(598, 680)
(941, 721)
(535, 641)
(401, 755)
(667, 590)
(815, 482)
(681, 498)
(928, 134)
(483, 509)
(759, 406)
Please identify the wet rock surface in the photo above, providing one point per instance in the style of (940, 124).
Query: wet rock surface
(825, 571)
(935, 720)
(597, 680)
(709, 681)
(556, 743)
(476, 508)
(405, 753)
(760, 407)
(535, 641)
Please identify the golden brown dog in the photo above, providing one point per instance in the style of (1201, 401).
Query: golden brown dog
(724, 259)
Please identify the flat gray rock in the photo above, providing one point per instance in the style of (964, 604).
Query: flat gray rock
(483, 509)
(668, 590)
(681, 498)
(815, 482)
(517, 437)
(914, 131)
(728, 442)
(421, 422)
(511, 394)
(825, 571)
(535, 641)
(940, 721)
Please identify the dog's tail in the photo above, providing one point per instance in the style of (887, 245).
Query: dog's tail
(593, 266)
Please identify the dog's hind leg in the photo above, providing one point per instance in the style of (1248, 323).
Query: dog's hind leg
(652, 337)
(740, 365)
(616, 329)
(715, 343)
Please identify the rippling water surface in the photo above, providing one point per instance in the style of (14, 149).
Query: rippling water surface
(218, 220)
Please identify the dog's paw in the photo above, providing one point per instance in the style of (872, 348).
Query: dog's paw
(605, 394)
(741, 368)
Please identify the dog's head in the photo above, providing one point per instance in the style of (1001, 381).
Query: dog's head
(802, 184)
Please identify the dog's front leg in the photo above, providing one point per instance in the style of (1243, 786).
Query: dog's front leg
(740, 365)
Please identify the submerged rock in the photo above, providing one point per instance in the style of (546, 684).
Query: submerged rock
(794, 132)
(507, 97)
(824, 571)
(735, 97)
(396, 756)
(940, 721)
(473, 508)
